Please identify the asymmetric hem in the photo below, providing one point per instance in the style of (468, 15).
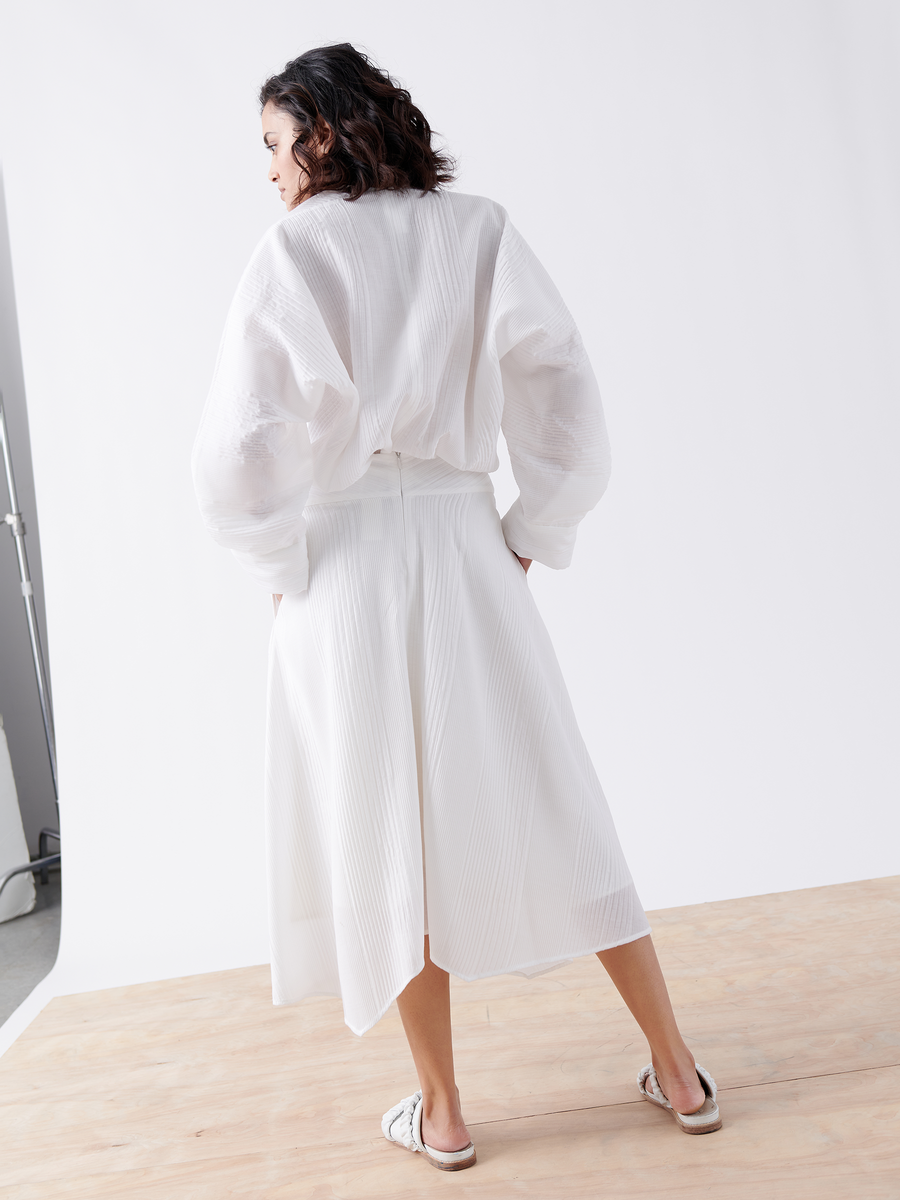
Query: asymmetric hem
(528, 971)
(422, 742)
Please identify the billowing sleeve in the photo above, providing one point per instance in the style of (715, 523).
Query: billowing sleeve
(278, 382)
(552, 417)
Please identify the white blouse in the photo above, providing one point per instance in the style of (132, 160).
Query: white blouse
(403, 321)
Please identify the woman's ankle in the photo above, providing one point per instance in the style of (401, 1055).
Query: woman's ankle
(441, 1106)
(674, 1054)
(676, 1072)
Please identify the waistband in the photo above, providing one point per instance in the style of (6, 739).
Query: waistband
(391, 473)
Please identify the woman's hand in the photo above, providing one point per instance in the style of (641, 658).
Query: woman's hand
(526, 562)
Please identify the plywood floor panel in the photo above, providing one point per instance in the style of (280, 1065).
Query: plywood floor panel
(827, 1137)
(200, 1088)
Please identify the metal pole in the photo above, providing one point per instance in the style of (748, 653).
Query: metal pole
(39, 864)
(17, 529)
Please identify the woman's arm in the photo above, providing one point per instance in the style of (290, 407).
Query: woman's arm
(253, 464)
(552, 416)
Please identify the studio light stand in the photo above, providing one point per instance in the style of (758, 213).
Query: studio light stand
(13, 519)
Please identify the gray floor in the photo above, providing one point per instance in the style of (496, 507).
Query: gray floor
(28, 945)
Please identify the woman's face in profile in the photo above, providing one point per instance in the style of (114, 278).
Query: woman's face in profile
(279, 135)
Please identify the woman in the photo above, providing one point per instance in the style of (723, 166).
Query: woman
(431, 806)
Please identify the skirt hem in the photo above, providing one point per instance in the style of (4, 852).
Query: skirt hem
(536, 968)
(543, 966)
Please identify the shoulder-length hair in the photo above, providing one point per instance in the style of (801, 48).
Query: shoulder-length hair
(357, 129)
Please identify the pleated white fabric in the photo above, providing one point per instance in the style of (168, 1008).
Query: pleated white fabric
(400, 321)
(424, 768)
(423, 756)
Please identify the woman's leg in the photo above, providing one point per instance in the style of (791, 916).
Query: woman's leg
(425, 1011)
(635, 970)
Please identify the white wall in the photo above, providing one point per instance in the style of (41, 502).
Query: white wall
(714, 187)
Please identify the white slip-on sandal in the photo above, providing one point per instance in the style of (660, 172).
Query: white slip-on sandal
(403, 1124)
(705, 1120)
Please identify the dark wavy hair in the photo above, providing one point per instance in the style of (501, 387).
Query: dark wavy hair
(380, 142)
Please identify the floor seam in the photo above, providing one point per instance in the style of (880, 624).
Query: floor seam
(559, 1112)
(799, 1078)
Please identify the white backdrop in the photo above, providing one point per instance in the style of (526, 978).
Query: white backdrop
(729, 178)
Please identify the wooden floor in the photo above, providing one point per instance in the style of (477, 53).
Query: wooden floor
(198, 1089)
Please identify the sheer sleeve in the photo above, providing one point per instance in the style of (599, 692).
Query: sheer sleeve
(552, 416)
(278, 376)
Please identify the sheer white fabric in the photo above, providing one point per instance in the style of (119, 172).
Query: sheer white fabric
(423, 759)
(399, 321)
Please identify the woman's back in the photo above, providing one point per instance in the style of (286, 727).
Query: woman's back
(419, 323)
(403, 284)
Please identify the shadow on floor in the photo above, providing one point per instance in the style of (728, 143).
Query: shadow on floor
(28, 945)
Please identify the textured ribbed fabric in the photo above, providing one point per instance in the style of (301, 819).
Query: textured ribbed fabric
(424, 768)
(422, 751)
(417, 323)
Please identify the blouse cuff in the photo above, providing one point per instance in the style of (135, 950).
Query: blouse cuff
(551, 545)
(282, 571)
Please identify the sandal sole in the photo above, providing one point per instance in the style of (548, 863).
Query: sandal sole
(457, 1166)
(699, 1128)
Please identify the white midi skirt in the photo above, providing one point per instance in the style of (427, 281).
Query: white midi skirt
(424, 769)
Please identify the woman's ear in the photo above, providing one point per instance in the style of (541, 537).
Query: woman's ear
(322, 136)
